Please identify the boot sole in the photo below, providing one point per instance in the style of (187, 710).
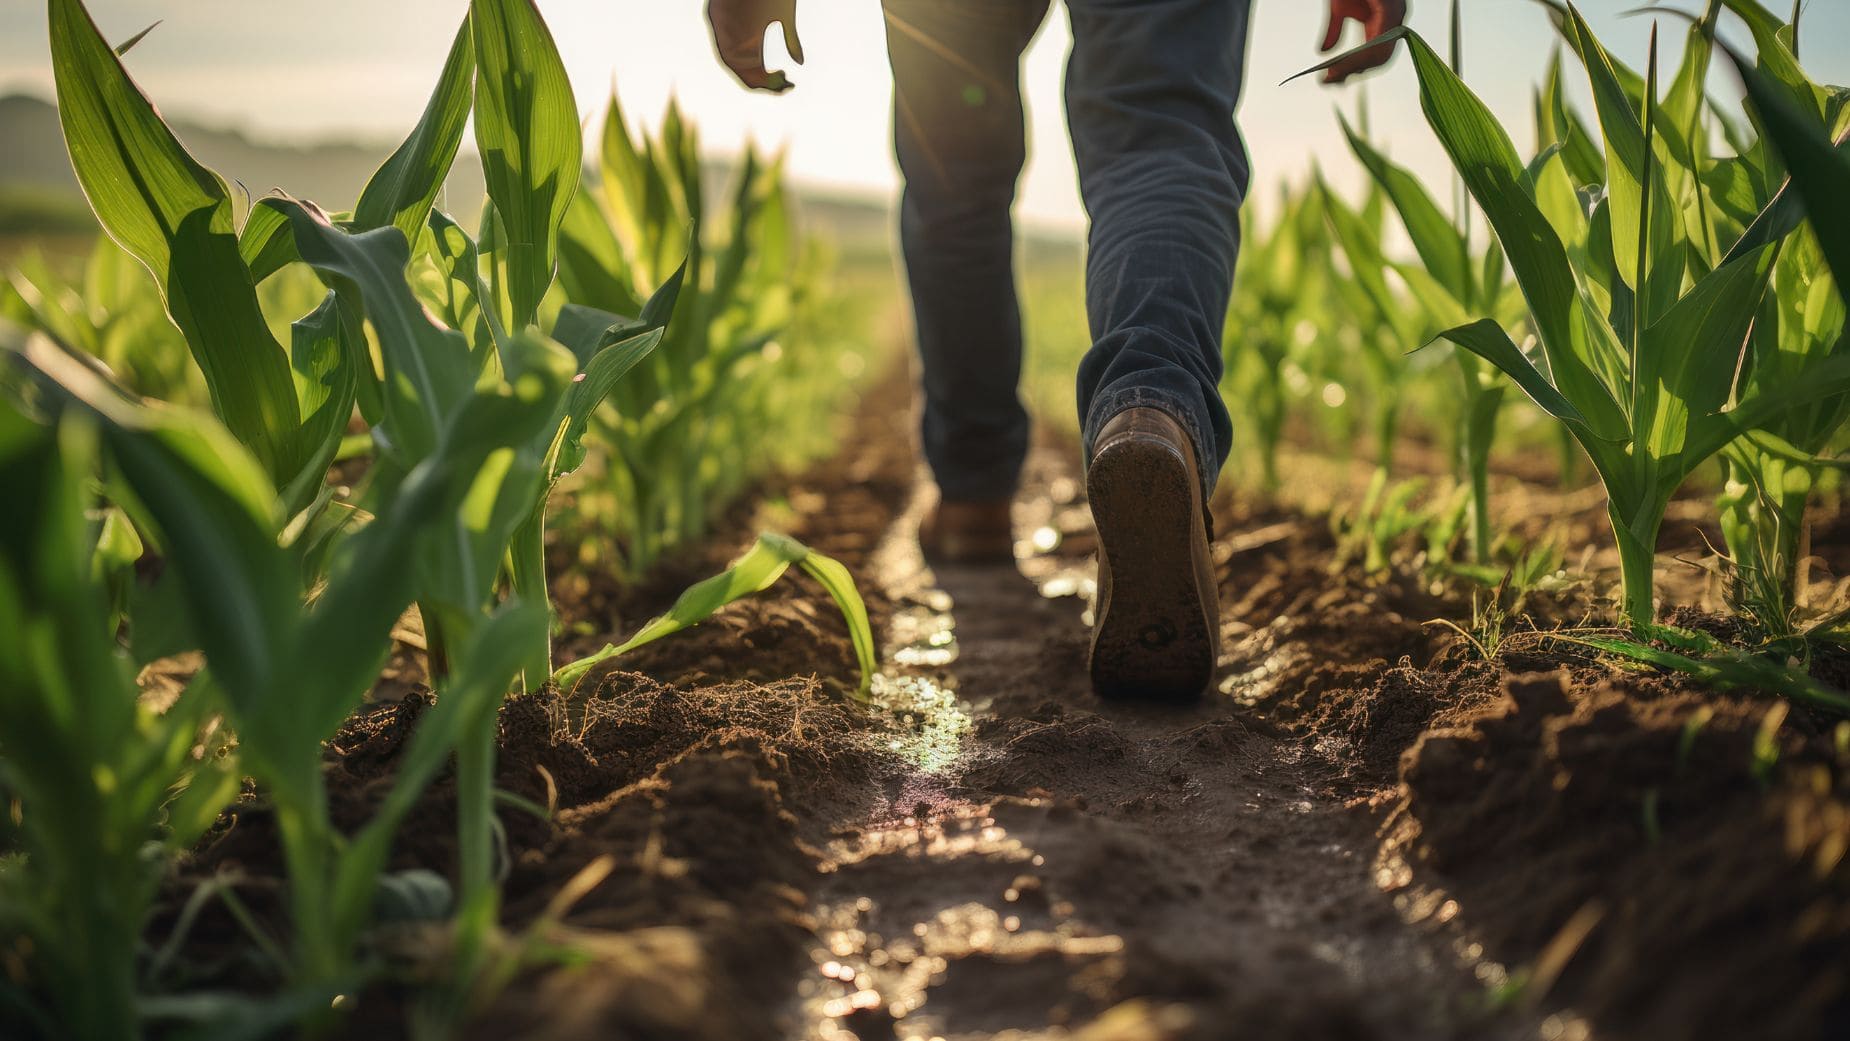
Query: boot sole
(1151, 640)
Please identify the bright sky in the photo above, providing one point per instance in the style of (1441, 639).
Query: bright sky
(265, 66)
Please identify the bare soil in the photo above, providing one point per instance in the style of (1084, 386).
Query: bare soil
(1368, 831)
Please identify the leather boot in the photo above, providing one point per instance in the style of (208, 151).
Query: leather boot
(1157, 629)
(958, 532)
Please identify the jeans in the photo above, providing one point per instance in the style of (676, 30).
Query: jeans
(1150, 92)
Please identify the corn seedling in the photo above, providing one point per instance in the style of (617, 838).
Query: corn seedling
(687, 430)
(289, 674)
(1275, 320)
(1636, 364)
(105, 788)
(474, 414)
(1449, 284)
(1773, 471)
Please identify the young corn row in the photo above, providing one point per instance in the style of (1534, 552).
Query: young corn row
(1677, 299)
(481, 384)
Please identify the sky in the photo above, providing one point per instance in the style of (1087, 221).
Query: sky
(365, 67)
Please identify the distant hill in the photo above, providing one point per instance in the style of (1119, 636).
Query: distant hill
(329, 172)
(34, 168)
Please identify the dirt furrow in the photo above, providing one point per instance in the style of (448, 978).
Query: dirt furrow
(1044, 861)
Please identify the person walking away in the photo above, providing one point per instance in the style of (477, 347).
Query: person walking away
(1151, 87)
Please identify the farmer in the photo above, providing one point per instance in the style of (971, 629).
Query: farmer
(1150, 92)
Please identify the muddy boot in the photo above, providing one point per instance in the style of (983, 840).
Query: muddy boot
(1157, 634)
(957, 532)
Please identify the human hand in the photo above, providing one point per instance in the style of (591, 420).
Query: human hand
(1376, 16)
(739, 28)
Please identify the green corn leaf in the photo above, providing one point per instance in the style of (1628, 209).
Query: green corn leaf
(1557, 123)
(1681, 109)
(526, 128)
(1553, 190)
(1776, 447)
(212, 506)
(466, 305)
(606, 367)
(476, 686)
(1825, 379)
(1362, 246)
(265, 244)
(1731, 187)
(175, 216)
(624, 175)
(515, 426)
(1727, 669)
(834, 577)
(1630, 82)
(659, 308)
(1482, 153)
(750, 199)
(1437, 241)
(756, 571)
(326, 381)
(1781, 217)
(428, 370)
(1687, 359)
(1775, 60)
(592, 267)
(400, 194)
(1632, 175)
(442, 533)
(129, 44)
(1487, 340)
(586, 330)
(1818, 169)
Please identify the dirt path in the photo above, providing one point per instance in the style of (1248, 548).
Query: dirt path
(1048, 861)
(1367, 832)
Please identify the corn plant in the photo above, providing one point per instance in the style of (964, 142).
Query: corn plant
(441, 430)
(176, 218)
(106, 789)
(1449, 284)
(286, 674)
(474, 415)
(1276, 318)
(688, 429)
(1772, 471)
(1387, 322)
(1636, 364)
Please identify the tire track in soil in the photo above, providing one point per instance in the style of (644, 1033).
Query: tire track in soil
(1048, 864)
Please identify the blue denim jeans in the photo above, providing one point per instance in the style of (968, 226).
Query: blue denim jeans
(1150, 92)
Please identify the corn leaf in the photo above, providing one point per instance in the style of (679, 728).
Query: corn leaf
(1726, 668)
(427, 370)
(1486, 339)
(756, 571)
(526, 128)
(212, 507)
(1437, 241)
(400, 194)
(592, 268)
(175, 216)
(1818, 169)
(326, 381)
(1634, 185)
(1482, 153)
(1775, 60)
(476, 687)
(1687, 360)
